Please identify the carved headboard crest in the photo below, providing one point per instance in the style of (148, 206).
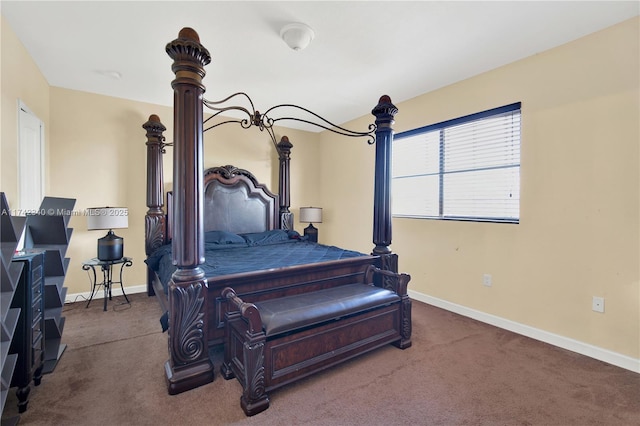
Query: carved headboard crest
(229, 172)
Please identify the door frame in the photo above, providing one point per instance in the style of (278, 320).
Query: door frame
(25, 164)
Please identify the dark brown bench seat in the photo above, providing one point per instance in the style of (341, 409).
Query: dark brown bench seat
(276, 341)
(308, 309)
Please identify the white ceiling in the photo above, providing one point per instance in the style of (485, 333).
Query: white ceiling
(361, 50)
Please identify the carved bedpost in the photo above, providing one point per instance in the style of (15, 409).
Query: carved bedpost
(188, 365)
(284, 154)
(155, 219)
(384, 112)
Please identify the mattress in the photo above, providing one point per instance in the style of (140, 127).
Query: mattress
(256, 252)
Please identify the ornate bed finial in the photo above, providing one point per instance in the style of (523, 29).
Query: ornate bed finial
(189, 33)
(385, 110)
(186, 49)
(154, 125)
(284, 145)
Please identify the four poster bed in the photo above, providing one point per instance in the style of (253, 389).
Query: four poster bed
(225, 249)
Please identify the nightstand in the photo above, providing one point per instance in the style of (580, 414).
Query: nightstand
(106, 267)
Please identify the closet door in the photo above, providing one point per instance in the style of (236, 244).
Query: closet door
(30, 159)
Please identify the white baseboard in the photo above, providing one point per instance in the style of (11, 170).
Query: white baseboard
(591, 351)
(115, 291)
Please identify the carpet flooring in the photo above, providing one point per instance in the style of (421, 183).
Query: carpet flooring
(458, 372)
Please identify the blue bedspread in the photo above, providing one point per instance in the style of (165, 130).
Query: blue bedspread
(256, 252)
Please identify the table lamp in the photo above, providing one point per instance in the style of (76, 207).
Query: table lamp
(311, 215)
(111, 246)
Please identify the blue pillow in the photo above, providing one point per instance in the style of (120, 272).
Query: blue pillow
(295, 235)
(154, 258)
(222, 237)
(266, 237)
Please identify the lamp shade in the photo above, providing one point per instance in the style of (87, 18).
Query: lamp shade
(107, 218)
(311, 214)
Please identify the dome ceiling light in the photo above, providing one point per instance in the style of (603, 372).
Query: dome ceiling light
(297, 36)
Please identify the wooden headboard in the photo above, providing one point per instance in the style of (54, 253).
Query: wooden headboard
(234, 201)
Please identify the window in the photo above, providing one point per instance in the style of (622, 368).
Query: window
(467, 168)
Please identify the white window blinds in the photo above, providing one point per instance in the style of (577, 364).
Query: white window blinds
(467, 168)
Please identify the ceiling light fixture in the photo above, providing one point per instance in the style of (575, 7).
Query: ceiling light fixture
(297, 36)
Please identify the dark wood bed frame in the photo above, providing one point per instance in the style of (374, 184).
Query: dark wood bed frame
(202, 201)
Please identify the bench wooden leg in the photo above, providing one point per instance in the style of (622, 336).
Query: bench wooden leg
(225, 369)
(226, 372)
(254, 399)
(405, 324)
(248, 366)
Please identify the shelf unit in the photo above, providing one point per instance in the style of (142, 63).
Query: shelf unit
(49, 230)
(11, 229)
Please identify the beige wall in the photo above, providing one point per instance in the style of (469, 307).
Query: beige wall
(579, 232)
(98, 157)
(20, 80)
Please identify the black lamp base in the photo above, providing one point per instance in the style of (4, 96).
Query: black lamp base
(311, 232)
(110, 247)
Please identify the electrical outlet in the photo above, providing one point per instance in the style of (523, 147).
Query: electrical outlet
(598, 304)
(486, 280)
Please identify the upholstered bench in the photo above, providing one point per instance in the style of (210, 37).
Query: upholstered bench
(273, 342)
